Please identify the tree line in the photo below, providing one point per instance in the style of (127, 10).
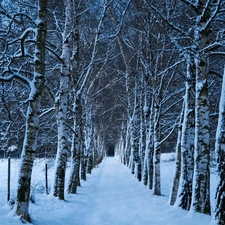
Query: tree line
(143, 76)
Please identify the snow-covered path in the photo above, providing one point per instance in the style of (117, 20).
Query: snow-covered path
(110, 196)
(113, 196)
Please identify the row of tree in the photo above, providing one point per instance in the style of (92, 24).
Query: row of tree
(43, 82)
(87, 75)
(179, 58)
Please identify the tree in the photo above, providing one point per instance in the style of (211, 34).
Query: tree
(61, 104)
(177, 169)
(33, 111)
(81, 78)
(187, 141)
(219, 213)
(199, 43)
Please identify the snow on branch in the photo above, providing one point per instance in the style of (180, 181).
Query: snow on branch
(122, 21)
(173, 94)
(54, 53)
(164, 19)
(109, 85)
(120, 99)
(192, 5)
(84, 77)
(22, 39)
(205, 12)
(13, 19)
(12, 75)
(171, 131)
(172, 105)
(171, 67)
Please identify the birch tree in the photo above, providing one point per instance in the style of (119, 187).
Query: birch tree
(187, 141)
(61, 105)
(200, 42)
(34, 104)
(219, 213)
(81, 78)
(177, 169)
(32, 117)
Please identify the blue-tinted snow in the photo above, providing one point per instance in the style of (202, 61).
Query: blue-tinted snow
(110, 196)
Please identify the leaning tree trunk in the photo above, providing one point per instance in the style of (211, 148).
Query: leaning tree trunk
(61, 108)
(32, 117)
(219, 213)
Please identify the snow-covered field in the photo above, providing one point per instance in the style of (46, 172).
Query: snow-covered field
(110, 196)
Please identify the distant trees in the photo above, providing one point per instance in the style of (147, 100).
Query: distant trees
(152, 98)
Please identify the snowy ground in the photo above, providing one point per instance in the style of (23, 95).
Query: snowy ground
(110, 196)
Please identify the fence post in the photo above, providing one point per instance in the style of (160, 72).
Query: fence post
(9, 174)
(46, 178)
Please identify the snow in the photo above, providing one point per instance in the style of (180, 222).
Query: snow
(110, 196)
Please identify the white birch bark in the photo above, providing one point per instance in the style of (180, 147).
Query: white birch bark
(146, 110)
(61, 107)
(187, 142)
(177, 168)
(74, 177)
(32, 117)
(127, 144)
(90, 165)
(201, 183)
(219, 213)
(149, 152)
(135, 158)
(157, 149)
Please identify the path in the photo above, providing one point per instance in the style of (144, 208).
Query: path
(112, 196)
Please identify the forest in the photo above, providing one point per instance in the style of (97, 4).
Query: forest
(81, 80)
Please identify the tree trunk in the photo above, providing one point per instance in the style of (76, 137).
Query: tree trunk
(81, 125)
(74, 179)
(151, 147)
(187, 142)
(201, 183)
(136, 161)
(149, 151)
(157, 149)
(177, 169)
(32, 117)
(219, 213)
(61, 108)
(90, 165)
(201, 191)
